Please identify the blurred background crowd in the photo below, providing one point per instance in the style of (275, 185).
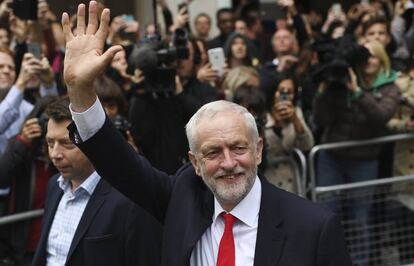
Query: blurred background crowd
(308, 76)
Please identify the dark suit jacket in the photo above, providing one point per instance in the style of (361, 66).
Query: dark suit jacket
(112, 230)
(291, 230)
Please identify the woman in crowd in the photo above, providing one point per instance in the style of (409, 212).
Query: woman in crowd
(285, 130)
(242, 63)
(357, 110)
(282, 128)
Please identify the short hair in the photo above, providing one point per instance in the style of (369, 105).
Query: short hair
(7, 51)
(252, 98)
(203, 15)
(59, 110)
(379, 51)
(375, 20)
(108, 91)
(223, 10)
(212, 109)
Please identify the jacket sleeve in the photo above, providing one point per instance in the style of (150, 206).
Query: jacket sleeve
(380, 109)
(9, 108)
(324, 113)
(332, 250)
(131, 174)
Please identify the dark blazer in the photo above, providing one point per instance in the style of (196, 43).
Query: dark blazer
(291, 230)
(112, 230)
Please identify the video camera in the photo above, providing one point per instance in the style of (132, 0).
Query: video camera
(157, 62)
(336, 57)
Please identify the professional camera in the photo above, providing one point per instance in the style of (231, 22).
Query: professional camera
(336, 57)
(157, 62)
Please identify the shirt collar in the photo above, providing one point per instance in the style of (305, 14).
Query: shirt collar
(88, 185)
(248, 209)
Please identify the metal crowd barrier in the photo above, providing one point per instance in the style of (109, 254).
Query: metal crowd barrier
(300, 167)
(18, 217)
(377, 215)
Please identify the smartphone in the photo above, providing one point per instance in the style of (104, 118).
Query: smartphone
(336, 9)
(217, 59)
(181, 6)
(25, 9)
(284, 96)
(35, 49)
(128, 18)
(271, 12)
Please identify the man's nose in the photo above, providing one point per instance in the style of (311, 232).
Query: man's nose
(55, 152)
(228, 162)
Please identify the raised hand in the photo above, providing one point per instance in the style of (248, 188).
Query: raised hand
(84, 58)
(31, 67)
(31, 130)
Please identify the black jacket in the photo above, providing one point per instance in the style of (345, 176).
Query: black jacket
(291, 230)
(112, 231)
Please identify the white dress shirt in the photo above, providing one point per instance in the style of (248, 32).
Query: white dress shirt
(206, 250)
(67, 217)
(244, 231)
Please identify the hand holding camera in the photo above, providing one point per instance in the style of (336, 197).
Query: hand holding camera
(353, 83)
(19, 28)
(46, 75)
(207, 74)
(283, 109)
(31, 67)
(286, 62)
(31, 130)
(181, 19)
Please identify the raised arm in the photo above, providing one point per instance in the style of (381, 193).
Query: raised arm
(84, 58)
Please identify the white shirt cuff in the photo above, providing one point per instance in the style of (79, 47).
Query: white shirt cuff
(90, 121)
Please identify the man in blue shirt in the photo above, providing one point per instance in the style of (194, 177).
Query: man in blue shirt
(86, 221)
(13, 107)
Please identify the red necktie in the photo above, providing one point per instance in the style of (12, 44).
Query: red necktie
(226, 253)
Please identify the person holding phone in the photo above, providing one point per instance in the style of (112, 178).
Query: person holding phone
(242, 64)
(13, 107)
(285, 130)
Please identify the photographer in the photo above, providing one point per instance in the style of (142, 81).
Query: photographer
(25, 168)
(13, 107)
(355, 109)
(158, 115)
(285, 130)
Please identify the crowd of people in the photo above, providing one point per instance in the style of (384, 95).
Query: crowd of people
(307, 78)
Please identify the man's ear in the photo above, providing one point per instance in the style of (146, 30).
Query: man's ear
(194, 162)
(259, 149)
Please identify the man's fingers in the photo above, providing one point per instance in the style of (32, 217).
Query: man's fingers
(80, 27)
(31, 121)
(67, 32)
(93, 18)
(110, 53)
(103, 30)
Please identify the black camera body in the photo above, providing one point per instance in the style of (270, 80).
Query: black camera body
(156, 62)
(336, 57)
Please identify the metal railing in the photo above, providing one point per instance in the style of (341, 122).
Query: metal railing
(346, 144)
(301, 171)
(18, 217)
(376, 220)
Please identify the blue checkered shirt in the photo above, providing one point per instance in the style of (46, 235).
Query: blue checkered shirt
(67, 217)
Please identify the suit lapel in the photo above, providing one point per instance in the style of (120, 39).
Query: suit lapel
(95, 202)
(53, 199)
(270, 239)
(202, 219)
